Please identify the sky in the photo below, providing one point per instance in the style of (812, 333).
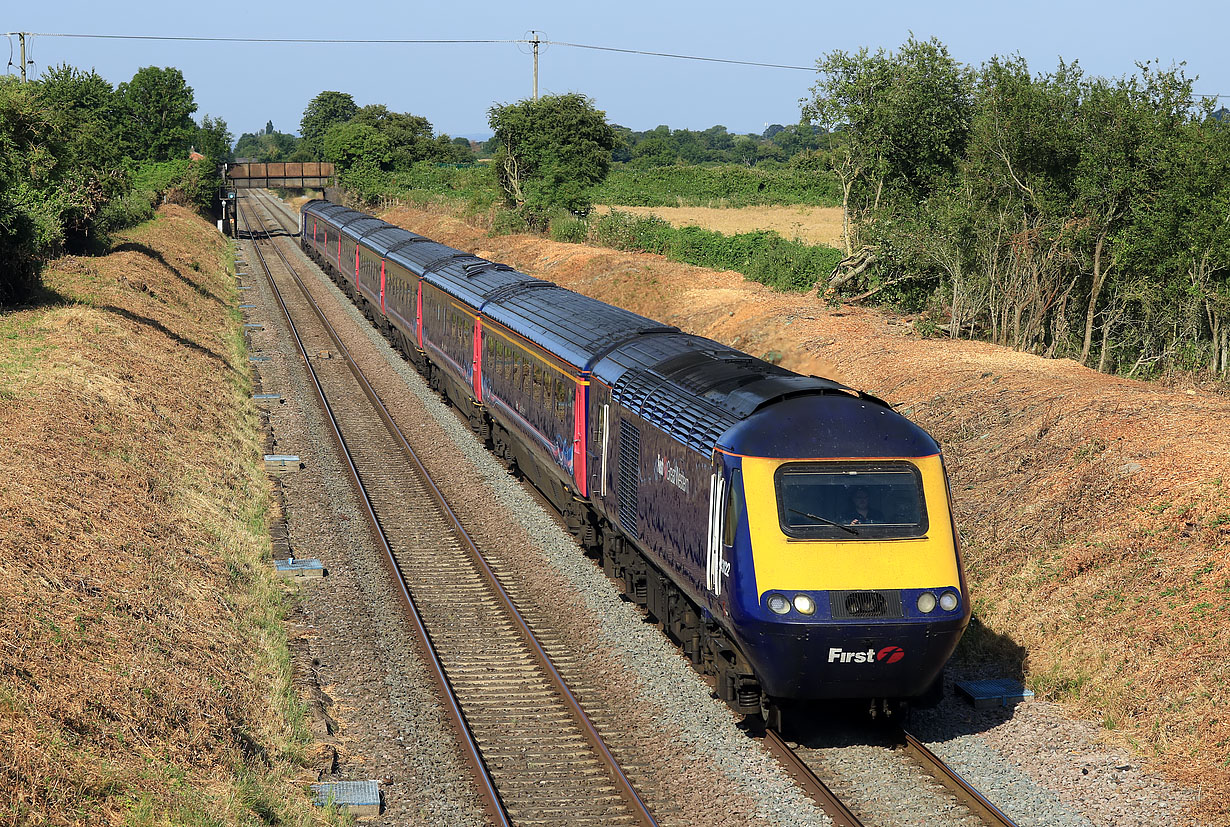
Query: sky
(454, 85)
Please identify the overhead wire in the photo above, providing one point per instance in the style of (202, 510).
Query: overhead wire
(436, 41)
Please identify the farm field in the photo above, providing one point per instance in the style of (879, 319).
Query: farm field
(810, 225)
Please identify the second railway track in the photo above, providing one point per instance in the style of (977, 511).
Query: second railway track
(545, 761)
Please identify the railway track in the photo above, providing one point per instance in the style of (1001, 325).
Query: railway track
(537, 757)
(953, 799)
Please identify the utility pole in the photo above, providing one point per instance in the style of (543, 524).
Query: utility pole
(22, 37)
(534, 41)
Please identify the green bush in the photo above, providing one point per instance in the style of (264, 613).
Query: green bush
(564, 226)
(127, 211)
(625, 231)
(508, 222)
(762, 256)
(733, 186)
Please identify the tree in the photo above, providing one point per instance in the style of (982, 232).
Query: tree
(30, 226)
(906, 117)
(551, 151)
(157, 106)
(268, 127)
(214, 140)
(408, 137)
(323, 111)
(261, 147)
(355, 146)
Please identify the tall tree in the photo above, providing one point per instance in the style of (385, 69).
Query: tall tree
(906, 117)
(214, 140)
(552, 151)
(157, 105)
(323, 111)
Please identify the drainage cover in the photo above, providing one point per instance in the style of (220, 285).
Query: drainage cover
(282, 462)
(258, 358)
(996, 692)
(254, 327)
(362, 798)
(267, 397)
(300, 567)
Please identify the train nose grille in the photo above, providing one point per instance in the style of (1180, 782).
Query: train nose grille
(865, 603)
(862, 604)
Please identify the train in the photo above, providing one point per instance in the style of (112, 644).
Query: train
(794, 536)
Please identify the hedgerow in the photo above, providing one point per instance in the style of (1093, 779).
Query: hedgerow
(732, 186)
(762, 256)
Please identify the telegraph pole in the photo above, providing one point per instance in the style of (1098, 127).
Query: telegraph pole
(534, 41)
(22, 37)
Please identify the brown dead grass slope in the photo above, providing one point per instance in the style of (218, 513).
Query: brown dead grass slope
(132, 685)
(1095, 510)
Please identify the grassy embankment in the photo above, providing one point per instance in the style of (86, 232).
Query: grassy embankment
(144, 672)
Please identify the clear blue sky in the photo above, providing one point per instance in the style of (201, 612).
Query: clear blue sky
(454, 85)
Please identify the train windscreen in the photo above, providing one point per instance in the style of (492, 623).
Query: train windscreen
(851, 500)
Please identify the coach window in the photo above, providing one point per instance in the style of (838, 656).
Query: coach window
(734, 504)
(561, 401)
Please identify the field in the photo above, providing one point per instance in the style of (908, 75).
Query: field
(810, 225)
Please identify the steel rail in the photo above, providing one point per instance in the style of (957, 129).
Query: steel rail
(592, 736)
(492, 803)
(958, 786)
(806, 778)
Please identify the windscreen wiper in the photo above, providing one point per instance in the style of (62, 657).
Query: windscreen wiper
(853, 531)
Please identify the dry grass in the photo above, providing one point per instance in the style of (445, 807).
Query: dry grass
(810, 225)
(143, 675)
(1095, 510)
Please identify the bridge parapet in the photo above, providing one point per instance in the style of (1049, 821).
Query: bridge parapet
(308, 175)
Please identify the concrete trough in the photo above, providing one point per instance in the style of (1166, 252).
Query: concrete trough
(994, 693)
(360, 798)
(267, 398)
(282, 463)
(300, 568)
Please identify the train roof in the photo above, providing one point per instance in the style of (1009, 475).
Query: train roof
(696, 389)
(384, 240)
(832, 426)
(576, 328)
(365, 226)
(335, 214)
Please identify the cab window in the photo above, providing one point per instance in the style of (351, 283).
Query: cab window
(850, 500)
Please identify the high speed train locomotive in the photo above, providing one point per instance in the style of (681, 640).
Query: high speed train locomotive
(793, 535)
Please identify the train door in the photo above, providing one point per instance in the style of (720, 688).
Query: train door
(726, 507)
(600, 442)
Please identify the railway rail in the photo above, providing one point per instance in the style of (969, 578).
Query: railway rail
(537, 757)
(797, 762)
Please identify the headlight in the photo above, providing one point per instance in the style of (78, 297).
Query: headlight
(779, 604)
(926, 603)
(804, 604)
(948, 601)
